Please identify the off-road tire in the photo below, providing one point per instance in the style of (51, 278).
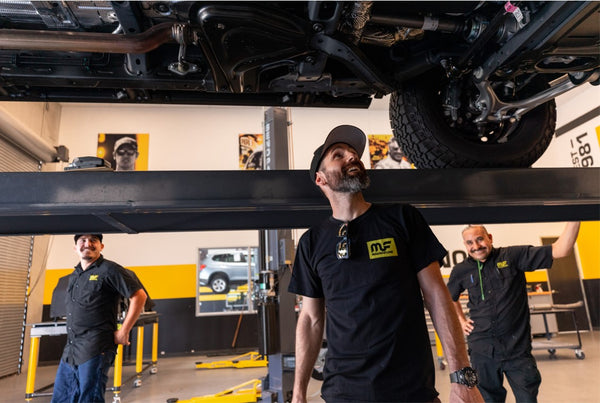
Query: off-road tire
(417, 120)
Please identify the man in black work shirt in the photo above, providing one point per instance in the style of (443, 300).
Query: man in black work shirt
(498, 329)
(93, 294)
(370, 269)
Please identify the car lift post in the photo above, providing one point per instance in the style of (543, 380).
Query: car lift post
(276, 307)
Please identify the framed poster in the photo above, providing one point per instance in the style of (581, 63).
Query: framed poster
(385, 153)
(378, 147)
(125, 152)
(251, 151)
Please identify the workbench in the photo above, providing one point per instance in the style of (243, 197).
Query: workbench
(58, 328)
(541, 325)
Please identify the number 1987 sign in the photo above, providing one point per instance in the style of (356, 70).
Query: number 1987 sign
(576, 144)
(581, 149)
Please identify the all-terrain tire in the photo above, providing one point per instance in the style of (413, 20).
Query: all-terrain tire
(417, 120)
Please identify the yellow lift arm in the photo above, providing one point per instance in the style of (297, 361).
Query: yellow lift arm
(248, 360)
(246, 392)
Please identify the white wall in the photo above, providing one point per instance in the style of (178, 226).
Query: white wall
(181, 137)
(206, 138)
(41, 118)
(191, 138)
(569, 107)
(311, 125)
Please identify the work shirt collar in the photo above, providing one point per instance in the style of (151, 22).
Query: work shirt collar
(96, 263)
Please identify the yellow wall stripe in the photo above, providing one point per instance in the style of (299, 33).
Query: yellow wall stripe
(168, 281)
(162, 282)
(588, 246)
(141, 163)
(52, 277)
(538, 276)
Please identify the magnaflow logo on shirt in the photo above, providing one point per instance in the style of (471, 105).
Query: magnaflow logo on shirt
(385, 247)
(93, 277)
(502, 265)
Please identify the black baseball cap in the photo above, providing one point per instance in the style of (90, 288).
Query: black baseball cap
(77, 236)
(346, 134)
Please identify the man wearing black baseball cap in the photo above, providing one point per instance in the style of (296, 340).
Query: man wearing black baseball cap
(373, 267)
(95, 289)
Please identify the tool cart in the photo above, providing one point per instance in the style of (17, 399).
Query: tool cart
(553, 341)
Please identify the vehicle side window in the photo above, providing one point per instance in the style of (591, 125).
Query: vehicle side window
(225, 257)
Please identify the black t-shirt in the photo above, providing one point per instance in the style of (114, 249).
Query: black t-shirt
(498, 305)
(92, 301)
(378, 344)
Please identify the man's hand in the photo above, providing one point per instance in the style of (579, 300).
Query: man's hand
(462, 394)
(467, 325)
(136, 304)
(122, 337)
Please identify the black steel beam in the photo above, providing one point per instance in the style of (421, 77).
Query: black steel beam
(169, 201)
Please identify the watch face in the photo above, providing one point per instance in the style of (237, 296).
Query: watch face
(465, 376)
(470, 377)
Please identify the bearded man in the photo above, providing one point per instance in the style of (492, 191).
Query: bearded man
(497, 329)
(371, 270)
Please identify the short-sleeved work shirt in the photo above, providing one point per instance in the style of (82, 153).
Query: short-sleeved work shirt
(92, 301)
(498, 304)
(378, 344)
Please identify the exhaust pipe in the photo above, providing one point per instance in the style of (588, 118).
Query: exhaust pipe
(89, 41)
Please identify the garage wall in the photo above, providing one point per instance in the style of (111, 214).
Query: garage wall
(206, 138)
(39, 119)
(186, 138)
(577, 144)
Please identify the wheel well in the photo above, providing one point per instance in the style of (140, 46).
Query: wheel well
(218, 274)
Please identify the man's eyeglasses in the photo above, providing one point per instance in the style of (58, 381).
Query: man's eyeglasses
(123, 151)
(342, 249)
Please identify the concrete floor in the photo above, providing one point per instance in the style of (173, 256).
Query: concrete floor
(565, 379)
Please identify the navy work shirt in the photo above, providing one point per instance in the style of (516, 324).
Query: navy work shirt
(92, 301)
(498, 305)
(377, 338)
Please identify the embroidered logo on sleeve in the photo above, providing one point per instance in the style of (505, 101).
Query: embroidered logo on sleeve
(385, 247)
(502, 265)
(93, 277)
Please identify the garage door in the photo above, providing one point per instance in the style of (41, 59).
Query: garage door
(15, 262)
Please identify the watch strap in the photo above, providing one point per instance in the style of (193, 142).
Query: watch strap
(454, 378)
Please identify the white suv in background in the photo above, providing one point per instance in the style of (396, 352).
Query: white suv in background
(220, 268)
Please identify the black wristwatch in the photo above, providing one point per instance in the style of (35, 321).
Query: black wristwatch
(465, 376)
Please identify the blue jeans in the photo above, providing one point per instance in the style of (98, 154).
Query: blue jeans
(83, 383)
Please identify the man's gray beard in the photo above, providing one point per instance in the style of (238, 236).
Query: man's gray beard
(349, 184)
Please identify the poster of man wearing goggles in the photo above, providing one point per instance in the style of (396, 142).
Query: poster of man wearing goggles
(125, 152)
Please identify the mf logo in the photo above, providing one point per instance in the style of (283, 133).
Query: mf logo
(93, 277)
(385, 247)
(502, 265)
